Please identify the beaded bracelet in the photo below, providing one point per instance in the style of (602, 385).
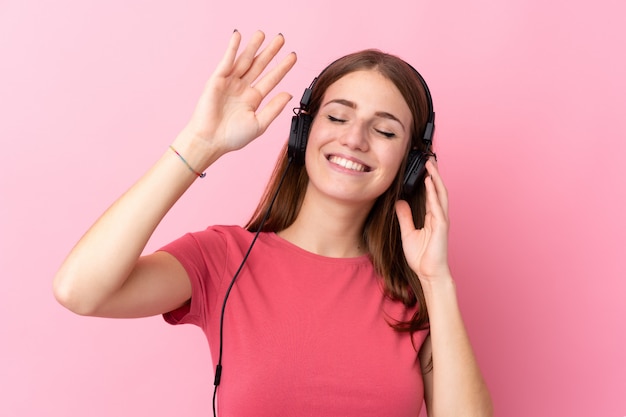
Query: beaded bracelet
(200, 175)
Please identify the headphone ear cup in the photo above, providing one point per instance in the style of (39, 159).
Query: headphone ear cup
(415, 168)
(298, 136)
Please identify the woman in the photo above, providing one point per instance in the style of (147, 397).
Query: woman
(337, 308)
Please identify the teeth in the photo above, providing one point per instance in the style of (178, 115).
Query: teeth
(354, 166)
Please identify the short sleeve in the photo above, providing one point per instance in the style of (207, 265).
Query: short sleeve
(202, 254)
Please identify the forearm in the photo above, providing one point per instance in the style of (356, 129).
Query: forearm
(458, 386)
(227, 117)
(104, 257)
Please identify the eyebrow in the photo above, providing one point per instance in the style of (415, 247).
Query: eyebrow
(353, 105)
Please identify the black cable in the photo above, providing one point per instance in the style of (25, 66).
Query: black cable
(218, 367)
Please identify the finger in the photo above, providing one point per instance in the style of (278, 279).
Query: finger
(273, 77)
(405, 217)
(263, 58)
(225, 65)
(245, 60)
(271, 110)
(433, 203)
(440, 188)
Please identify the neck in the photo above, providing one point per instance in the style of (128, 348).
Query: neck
(328, 228)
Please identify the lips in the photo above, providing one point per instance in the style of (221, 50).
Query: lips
(348, 164)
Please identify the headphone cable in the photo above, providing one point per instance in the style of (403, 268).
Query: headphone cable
(218, 367)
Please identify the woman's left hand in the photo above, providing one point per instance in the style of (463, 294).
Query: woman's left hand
(426, 249)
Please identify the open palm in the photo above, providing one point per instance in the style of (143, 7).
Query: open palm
(227, 114)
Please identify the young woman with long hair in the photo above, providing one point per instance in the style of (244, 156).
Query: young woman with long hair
(336, 298)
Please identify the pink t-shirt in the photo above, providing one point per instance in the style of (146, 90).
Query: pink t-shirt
(304, 335)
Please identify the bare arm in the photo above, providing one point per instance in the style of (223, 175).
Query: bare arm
(454, 386)
(104, 274)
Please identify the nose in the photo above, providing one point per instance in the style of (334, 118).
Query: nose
(355, 137)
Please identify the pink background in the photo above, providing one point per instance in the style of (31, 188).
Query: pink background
(531, 137)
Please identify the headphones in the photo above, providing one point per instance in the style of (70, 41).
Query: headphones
(416, 163)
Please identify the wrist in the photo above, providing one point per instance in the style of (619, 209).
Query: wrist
(189, 167)
(443, 282)
(197, 153)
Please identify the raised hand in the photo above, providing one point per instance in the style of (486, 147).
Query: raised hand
(105, 274)
(227, 116)
(426, 249)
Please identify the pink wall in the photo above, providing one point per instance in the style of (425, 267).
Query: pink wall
(531, 133)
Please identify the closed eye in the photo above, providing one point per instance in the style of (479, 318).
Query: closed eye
(335, 119)
(380, 132)
(386, 134)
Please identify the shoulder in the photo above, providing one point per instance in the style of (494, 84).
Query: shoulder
(225, 241)
(218, 234)
(210, 245)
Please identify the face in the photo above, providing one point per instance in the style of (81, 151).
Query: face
(358, 139)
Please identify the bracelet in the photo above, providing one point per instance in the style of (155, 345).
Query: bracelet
(200, 175)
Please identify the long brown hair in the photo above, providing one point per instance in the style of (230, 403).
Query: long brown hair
(381, 231)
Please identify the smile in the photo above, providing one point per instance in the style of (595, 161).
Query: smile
(348, 164)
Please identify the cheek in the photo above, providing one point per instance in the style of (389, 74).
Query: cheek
(394, 162)
(394, 156)
(313, 140)
(311, 147)
(312, 134)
